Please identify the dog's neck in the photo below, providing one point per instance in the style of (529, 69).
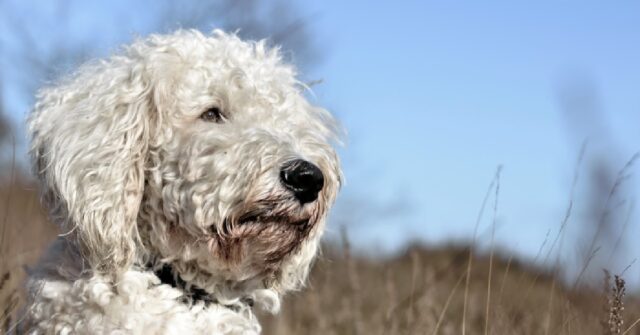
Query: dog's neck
(194, 295)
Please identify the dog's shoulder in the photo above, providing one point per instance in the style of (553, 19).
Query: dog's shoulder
(64, 298)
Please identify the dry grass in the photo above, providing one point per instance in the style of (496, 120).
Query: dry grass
(23, 236)
(419, 292)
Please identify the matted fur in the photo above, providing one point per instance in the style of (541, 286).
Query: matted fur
(138, 180)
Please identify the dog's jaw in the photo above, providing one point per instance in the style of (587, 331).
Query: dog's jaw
(245, 252)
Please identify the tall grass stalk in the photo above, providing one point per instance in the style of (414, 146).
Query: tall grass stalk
(472, 247)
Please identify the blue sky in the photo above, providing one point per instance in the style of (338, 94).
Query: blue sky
(436, 95)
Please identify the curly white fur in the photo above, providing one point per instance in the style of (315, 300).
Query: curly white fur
(138, 181)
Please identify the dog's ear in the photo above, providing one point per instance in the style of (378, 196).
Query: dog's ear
(89, 142)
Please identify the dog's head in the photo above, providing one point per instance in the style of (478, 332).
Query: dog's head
(199, 151)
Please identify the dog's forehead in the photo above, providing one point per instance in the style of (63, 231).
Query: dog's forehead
(234, 91)
(226, 66)
(239, 62)
(248, 80)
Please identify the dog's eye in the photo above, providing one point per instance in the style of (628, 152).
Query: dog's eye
(212, 114)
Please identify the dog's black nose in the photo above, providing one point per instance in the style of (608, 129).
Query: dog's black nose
(302, 178)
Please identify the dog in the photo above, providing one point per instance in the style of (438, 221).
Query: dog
(192, 180)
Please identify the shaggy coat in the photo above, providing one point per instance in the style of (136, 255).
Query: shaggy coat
(163, 166)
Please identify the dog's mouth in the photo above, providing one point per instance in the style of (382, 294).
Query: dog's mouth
(278, 219)
(273, 219)
(256, 220)
(265, 229)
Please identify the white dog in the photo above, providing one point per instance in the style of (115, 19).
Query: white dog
(193, 180)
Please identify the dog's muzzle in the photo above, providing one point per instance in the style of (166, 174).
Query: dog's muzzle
(303, 179)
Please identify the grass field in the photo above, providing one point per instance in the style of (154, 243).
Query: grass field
(422, 291)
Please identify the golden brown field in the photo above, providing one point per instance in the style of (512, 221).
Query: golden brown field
(423, 291)
(24, 234)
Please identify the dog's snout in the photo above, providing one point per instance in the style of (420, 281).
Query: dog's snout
(302, 178)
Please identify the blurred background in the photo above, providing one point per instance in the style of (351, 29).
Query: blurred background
(473, 127)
